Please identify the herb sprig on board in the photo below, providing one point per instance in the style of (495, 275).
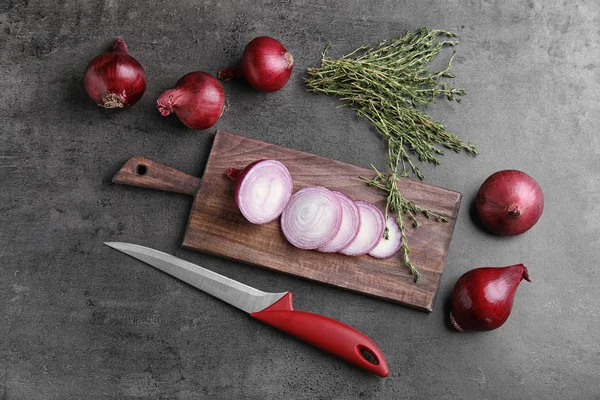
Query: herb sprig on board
(391, 85)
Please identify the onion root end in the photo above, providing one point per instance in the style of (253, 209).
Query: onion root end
(112, 100)
(289, 60)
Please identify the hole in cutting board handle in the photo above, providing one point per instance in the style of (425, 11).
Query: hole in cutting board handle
(141, 169)
(367, 355)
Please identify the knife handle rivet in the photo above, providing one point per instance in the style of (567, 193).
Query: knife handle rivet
(141, 169)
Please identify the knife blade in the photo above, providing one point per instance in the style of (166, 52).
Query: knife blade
(274, 309)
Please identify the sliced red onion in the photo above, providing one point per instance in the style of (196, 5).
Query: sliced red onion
(350, 225)
(388, 247)
(263, 190)
(312, 218)
(372, 224)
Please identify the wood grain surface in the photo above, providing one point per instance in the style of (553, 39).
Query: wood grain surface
(216, 226)
(141, 172)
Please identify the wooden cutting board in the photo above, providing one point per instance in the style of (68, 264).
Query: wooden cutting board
(216, 226)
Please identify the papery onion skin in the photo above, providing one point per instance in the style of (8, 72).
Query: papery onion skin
(509, 202)
(266, 65)
(239, 175)
(115, 79)
(198, 100)
(482, 298)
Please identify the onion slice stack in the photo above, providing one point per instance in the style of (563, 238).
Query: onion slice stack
(313, 218)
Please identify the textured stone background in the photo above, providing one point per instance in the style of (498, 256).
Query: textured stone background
(78, 320)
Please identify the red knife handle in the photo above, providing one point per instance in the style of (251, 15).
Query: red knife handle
(325, 333)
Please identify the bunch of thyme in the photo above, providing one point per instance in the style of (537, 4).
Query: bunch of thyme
(391, 84)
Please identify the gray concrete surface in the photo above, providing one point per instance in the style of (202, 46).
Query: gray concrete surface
(78, 320)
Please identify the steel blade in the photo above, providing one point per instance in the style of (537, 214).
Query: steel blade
(237, 294)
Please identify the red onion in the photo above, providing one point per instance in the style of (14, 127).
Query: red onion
(388, 247)
(372, 225)
(483, 297)
(509, 202)
(198, 100)
(312, 218)
(266, 65)
(115, 79)
(262, 190)
(350, 225)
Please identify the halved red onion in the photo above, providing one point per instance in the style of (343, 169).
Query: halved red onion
(312, 218)
(263, 190)
(388, 247)
(350, 225)
(372, 224)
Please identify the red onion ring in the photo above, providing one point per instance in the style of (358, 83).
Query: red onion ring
(312, 218)
(371, 230)
(350, 225)
(388, 247)
(263, 190)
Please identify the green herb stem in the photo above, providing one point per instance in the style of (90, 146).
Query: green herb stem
(390, 84)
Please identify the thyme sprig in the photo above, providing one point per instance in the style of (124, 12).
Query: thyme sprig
(391, 84)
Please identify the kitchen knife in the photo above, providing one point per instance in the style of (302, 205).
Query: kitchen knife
(274, 309)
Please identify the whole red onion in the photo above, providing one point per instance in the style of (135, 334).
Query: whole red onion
(509, 202)
(266, 65)
(482, 298)
(198, 100)
(115, 79)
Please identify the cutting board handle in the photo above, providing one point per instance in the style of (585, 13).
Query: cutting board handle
(141, 172)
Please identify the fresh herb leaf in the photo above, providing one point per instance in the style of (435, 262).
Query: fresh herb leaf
(391, 84)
